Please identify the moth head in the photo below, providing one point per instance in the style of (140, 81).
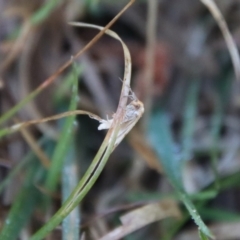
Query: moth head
(137, 104)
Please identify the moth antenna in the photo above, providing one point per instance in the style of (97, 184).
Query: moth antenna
(132, 95)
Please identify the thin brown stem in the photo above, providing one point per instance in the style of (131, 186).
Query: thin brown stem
(150, 56)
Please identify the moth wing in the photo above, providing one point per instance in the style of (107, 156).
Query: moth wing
(128, 125)
(105, 124)
(124, 130)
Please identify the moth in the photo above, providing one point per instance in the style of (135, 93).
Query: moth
(132, 113)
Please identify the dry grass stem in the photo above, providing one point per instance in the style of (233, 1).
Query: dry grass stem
(211, 5)
(150, 56)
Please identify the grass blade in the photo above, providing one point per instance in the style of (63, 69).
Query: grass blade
(51, 79)
(44, 11)
(161, 139)
(71, 224)
(105, 150)
(189, 119)
(65, 136)
(232, 47)
(202, 236)
(23, 205)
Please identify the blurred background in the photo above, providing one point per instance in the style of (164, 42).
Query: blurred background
(188, 137)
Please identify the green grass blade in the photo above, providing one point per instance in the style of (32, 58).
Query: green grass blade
(23, 205)
(4, 132)
(79, 192)
(161, 139)
(189, 119)
(71, 224)
(83, 187)
(194, 214)
(155, 196)
(44, 11)
(202, 236)
(63, 89)
(64, 140)
(63, 145)
(230, 181)
(218, 215)
(175, 227)
(103, 153)
(10, 113)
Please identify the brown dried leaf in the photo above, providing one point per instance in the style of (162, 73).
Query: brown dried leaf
(143, 216)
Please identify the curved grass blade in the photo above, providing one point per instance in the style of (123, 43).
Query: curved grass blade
(18, 126)
(51, 79)
(103, 154)
(232, 47)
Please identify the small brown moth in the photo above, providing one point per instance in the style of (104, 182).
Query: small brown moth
(133, 112)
